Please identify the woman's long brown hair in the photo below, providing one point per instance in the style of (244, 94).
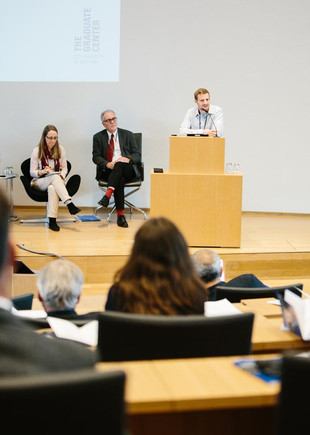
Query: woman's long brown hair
(55, 151)
(159, 277)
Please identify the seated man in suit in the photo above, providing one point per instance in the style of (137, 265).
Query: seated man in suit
(116, 155)
(22, 350)
(209, 267)
(60, 286)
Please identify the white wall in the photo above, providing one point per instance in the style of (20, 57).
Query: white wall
(253, 56)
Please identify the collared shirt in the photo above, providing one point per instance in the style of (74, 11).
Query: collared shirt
(5, 303)
(195, 122)
(117, 150)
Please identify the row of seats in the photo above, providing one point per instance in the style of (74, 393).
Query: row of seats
(125, 336)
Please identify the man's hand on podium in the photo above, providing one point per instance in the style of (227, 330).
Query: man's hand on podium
(211, 133)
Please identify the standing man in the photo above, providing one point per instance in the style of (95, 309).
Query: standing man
(116, 155)
(204, 118)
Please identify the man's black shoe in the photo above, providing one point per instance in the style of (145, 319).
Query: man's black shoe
(104, 201)
(121, 221)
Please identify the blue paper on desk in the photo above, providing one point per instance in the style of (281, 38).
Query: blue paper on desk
(267, 370)
(87, 217)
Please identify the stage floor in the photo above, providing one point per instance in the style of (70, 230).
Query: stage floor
(273, 246)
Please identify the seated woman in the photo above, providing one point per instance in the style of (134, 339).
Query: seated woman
(48, 167)
(159, 276)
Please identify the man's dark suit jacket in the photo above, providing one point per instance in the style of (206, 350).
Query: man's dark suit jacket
(246, 280)
(128, 146)
(72, 315)
(23, 351)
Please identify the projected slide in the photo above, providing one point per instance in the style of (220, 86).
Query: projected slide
(60, 40)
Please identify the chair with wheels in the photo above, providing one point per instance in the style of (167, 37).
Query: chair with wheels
(72, 186)
(134, 185)
(126, 337)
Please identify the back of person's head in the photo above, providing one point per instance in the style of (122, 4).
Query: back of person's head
(159, 277)
(208, 265)
(4, 228)
(60, 285)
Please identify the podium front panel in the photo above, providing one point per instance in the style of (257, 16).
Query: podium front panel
(197, 155)
(206, 208)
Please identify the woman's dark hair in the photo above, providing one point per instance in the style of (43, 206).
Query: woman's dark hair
(159, 276)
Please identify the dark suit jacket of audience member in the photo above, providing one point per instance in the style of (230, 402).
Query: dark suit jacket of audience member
(72, 315)
(247, 280)
(128, 147)
(23, 351)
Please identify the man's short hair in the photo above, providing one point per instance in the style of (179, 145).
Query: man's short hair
(60, 284)
(200, 91)
(208, 265)
(106, 111)
(4, 227)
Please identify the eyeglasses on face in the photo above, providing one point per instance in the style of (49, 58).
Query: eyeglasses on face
(51, 137)
(110, 120)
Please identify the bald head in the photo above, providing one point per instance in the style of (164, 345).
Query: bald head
(208, 265)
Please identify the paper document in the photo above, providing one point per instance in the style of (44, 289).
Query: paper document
(220, 308)
(31, 314)
(87, 334)
(52, 173)
(274, 302)
(296, 314)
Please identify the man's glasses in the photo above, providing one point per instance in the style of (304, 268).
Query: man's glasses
(110, 120)
(51, 137)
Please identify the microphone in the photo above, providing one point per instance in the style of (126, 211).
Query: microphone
(209, 114)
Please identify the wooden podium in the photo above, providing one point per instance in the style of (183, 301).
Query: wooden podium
(197, 195)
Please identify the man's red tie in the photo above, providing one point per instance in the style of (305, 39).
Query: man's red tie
(111, 149)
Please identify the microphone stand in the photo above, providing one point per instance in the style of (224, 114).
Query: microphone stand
(210, 115)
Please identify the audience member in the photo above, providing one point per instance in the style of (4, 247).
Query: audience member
(116, 155)
(48, 167)
(204, 118)
(209, 267)
(158, 277)
(22, 350)
(60, 285)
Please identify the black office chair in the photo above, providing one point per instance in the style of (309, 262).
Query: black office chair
(23, 302)
(236, 294)
(70, 402)
(135, 184)
(125, 337)
(72, 186)
(293, 406)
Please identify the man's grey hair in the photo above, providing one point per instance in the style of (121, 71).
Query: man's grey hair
(106, 111)
(60, 284)
(207, 264)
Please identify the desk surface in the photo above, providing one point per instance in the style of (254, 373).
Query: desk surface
(192, 384)
(268, 335)
(267, 307)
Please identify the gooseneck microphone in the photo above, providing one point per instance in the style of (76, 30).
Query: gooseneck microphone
(209, 114)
